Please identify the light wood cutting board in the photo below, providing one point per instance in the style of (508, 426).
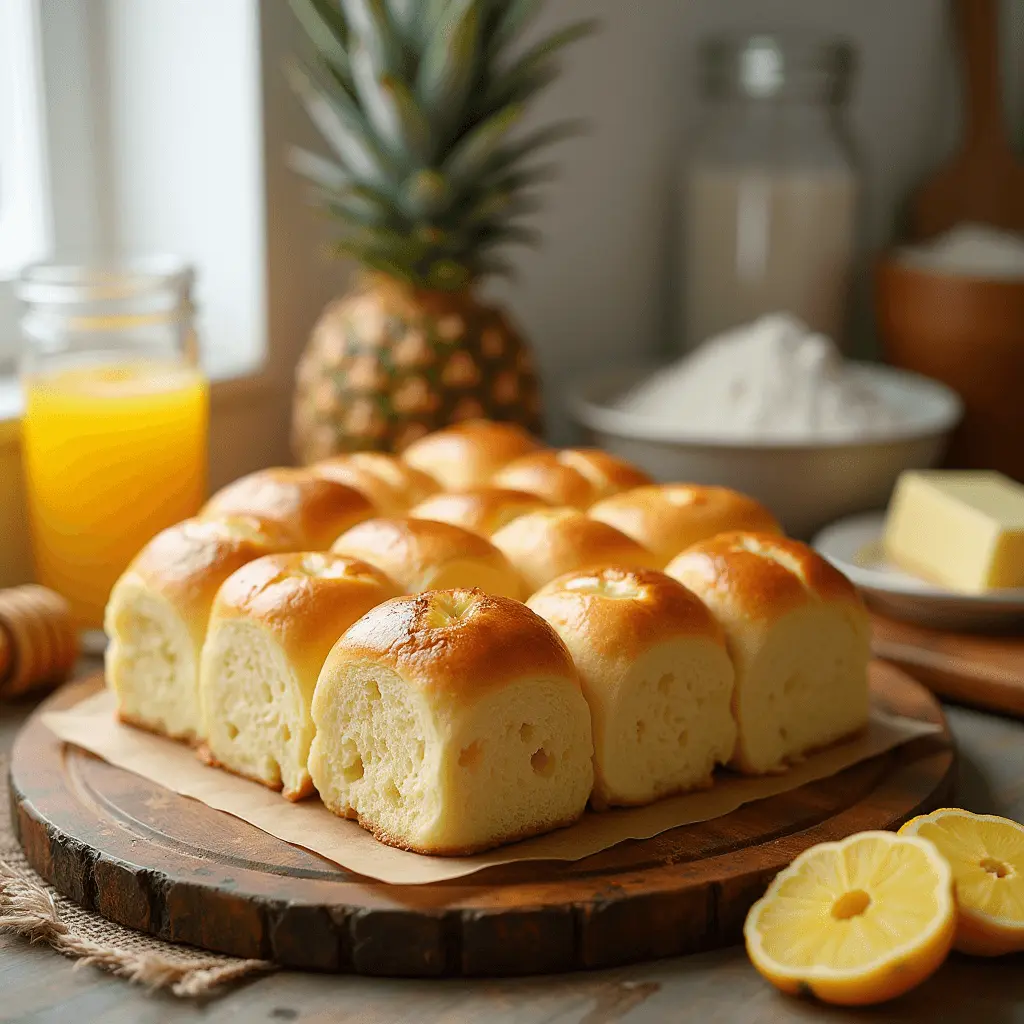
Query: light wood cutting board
(986, 671)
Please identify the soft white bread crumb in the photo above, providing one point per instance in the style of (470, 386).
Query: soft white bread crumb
(420, 554)
(391, 484)
(272, 625)
(158, 611)
(571, 476)
(667, 518)
(468, 454)
(452, 722)
(551, 542)
(314, 509)
(799, 637)
(484, 510)
(657, 676)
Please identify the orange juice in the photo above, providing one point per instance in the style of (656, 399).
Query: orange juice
(113, 454)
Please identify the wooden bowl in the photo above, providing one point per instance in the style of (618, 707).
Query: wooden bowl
(967, 332)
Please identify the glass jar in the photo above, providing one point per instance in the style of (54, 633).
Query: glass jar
(770, 188)
(114, 431)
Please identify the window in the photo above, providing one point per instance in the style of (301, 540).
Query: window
(181, 110)
(24, 214)
(150, 114)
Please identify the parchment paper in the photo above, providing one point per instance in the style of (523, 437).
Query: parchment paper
(91, 724)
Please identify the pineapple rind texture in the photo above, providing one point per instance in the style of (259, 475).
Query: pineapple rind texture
(384, 368)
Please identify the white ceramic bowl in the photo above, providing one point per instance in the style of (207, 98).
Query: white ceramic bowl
(807, 484)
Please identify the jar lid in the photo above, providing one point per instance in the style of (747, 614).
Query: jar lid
(777, 66)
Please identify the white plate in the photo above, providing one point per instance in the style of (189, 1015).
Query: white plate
(854, 546)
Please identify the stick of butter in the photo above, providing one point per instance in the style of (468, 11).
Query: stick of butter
(961, 529)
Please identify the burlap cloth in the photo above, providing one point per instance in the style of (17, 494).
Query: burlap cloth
(32, 908)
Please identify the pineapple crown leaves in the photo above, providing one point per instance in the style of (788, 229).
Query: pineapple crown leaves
(419, 102)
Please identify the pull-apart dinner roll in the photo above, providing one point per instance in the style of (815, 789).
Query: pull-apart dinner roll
(272, 626)
(314, 509)
(799, 637)
(483, 510)
(554, 541)
(420, 554)
(656, 674)
(571, 476)
(468, 454)
(158, 611)
(391, 484)
(452, 722)
(666, 518)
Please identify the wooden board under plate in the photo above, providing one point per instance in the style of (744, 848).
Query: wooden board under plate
(150, 859)
(986, 671)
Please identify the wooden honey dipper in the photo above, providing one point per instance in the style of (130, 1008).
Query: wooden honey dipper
(38, 640)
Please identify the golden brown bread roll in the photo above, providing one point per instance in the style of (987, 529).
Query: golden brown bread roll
(391, 484)
(482, 509)
(450, 723)
(666, 518)
(468, 454)
(273, 623)
(799, 637)
(571, 476)
(314, 509)
(656, 674)
(420, 554)
(549, 543)
(158, 612)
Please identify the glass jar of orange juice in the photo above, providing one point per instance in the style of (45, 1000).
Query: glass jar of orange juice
(114, 432)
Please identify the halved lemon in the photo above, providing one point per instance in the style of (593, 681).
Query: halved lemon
(855, 922)
(986, 854)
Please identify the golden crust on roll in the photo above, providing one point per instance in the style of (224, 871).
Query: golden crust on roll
(799, 637)
(391, 484)
(312, 508)
(483, 510)
(666, 518)
(421, 554)
(273, 623)
(545, 544)
(468, 454)
(158, 611)
(450, 723)
(657, 677)
(571, 476)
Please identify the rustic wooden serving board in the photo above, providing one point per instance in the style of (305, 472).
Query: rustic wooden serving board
(150, 859)
(985, 671)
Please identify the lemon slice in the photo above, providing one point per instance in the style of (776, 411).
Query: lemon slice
(855, 922)
(986, 854)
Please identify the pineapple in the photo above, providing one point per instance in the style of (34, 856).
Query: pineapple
(419, 102)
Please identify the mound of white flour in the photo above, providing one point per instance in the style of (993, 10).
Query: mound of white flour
(773, 378)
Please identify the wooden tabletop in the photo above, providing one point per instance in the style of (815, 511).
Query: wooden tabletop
(716, 988)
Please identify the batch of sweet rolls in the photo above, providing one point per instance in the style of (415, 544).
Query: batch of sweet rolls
(462, 646)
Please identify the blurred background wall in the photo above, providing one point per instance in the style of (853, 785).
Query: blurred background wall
(599, 289)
